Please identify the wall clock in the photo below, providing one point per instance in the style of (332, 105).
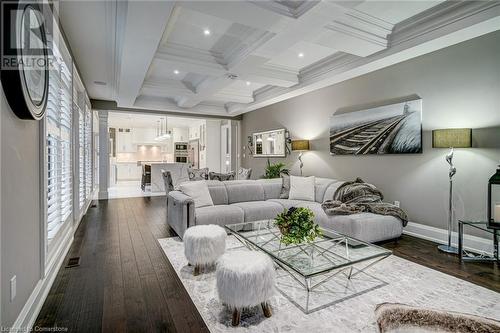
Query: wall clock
(25, 71)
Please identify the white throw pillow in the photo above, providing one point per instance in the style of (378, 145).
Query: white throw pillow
(198, 190)
(302, 188)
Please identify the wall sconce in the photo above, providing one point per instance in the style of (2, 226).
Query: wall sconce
(250, 144)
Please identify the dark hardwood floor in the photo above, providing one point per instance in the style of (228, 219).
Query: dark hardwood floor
(125, 283)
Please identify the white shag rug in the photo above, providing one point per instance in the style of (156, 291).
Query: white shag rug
(342, 306)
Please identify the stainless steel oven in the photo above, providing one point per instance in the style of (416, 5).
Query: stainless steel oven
(181, 152)
(181, 146)
(181, 159)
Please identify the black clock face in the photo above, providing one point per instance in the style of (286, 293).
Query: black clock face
(25, 65)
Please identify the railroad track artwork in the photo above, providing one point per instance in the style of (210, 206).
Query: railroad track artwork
(372, 138)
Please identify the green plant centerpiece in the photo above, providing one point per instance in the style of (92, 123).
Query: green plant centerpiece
(297, 226)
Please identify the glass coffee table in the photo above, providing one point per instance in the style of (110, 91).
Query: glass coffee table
(311, 264)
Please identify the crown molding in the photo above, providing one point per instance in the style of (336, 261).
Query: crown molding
(441, 16)
(245, 48)
(173, 51)
(284, 10)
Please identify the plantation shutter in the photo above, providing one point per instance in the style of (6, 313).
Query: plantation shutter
(58, 139)
(88, 151)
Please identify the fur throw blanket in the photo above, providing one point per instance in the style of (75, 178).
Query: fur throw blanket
(358, 197)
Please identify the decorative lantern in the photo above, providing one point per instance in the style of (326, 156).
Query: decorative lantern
(494, 200)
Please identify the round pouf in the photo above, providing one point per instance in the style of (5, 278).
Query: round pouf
(203, 245)
(245, 279)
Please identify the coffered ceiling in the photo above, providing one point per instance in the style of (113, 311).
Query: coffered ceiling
(231, 57)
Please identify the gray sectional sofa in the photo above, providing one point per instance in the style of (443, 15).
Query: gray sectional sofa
(251, 200)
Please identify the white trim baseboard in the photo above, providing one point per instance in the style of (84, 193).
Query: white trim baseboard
(34, 304)
(471, 243)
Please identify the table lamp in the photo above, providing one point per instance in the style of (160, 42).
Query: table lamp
(301, 146)
(451, 138)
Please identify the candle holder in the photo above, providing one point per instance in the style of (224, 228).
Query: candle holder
(494, 200)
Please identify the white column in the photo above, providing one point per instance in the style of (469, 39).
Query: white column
(103, 155)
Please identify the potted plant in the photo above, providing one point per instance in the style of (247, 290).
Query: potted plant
(274, 170)
(297, 226)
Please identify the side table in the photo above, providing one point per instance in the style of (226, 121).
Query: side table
(464, 256)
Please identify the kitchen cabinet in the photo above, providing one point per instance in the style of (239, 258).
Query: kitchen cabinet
(143, 136)
(124, 143)
(180, 134)
(128, 171)
(194, 132)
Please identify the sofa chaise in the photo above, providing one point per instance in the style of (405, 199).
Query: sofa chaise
(252, 200)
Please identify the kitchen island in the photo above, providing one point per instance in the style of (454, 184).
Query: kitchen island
(179, 173)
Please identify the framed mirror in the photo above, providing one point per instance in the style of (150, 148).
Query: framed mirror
(270, 143)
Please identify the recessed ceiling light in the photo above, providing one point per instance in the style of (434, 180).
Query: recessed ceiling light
(206, 32)
(301, 55)
(248, 83)
(176, 71)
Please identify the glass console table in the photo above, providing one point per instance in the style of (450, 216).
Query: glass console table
(464, 255)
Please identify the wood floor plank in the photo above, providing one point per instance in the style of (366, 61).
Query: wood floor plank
(125, 282)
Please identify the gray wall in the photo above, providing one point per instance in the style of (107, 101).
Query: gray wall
(20, 219)
(460, 87)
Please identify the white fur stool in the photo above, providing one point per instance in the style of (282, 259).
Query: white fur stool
(245, 279)
(203, 245)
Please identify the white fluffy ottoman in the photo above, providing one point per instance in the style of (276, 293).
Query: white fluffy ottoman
(245, 279)
(203, 245)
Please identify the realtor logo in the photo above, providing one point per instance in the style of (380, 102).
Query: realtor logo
(26, 35)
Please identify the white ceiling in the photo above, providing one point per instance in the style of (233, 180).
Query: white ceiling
(142, 120)
(231, 57)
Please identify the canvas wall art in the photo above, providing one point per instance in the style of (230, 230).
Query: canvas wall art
(388, 129)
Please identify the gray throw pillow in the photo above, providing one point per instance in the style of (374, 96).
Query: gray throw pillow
(285, 186)
(244, 173)
(221, 176)
(198, 174)
(167, 179)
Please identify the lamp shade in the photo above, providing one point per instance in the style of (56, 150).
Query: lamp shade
(452, 138)
(300, 144)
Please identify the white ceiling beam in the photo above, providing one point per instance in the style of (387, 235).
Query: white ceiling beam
(204, 91)
(243, 12)
(165, 88)
(246, 69)
(189, 62)
(302, 28)
(176, 89)
(146, 21)
(164, 104)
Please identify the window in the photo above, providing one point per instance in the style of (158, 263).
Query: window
(84, 147)
(88, 151)
(58, 146)
(81, 154)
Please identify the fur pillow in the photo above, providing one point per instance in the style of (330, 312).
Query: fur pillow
(401, 318)
(285, 186)
(198, 190)
(198, 174)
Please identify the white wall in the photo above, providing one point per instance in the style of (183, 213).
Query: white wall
(460, 87)
(21, 223)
